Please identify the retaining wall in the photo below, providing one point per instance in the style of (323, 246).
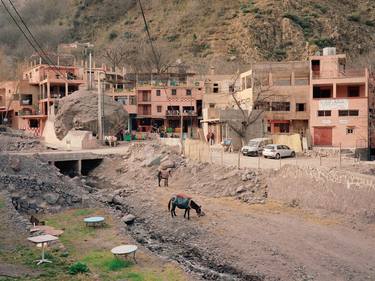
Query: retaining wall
(323, 188)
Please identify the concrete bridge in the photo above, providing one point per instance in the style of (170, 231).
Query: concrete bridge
(75, 162)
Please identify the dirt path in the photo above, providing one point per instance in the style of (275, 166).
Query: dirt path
(263, 242)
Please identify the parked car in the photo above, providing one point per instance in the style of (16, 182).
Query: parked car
(278, 151)
(255, 146)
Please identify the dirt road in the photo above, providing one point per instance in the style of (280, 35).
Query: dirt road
(259, 242)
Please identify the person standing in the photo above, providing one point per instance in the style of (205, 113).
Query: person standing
(212, 138)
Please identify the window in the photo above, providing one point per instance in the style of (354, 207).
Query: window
(282, 81)
(263, 105)
(300, 106)
(348, 112)
(349, 130)
(174, 92)
(243, 83)
(122, 100)
(248, 82)
(324, 113)
(34, 123)
(132, 100)
(280, 106)
(216, 88)
(212, 105)
(319, 93)
(159, 108)
(188, 92)
(158, 93)
(353, 91)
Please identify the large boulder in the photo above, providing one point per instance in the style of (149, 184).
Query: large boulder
(80, 111)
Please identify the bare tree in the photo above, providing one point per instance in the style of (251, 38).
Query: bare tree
(250, 113)
(116, 55)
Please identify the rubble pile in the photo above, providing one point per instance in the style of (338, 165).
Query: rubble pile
(139, 167)
(80, 111)
(35, 186)
(13, 140)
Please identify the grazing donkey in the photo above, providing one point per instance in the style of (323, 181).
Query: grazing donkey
(184, 202)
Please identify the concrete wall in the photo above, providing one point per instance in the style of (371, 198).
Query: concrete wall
(293, 141)
(333, 190)
(74, 140)
(197, 150)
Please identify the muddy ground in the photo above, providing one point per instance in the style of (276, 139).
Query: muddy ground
(235, 240)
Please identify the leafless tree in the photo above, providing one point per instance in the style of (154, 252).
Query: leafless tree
(116, 55)
(250, 113)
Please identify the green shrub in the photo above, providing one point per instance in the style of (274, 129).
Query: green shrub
(304, 22)
(117, 264)
(321, 8)
(370, 23)
(324, 42)
(354, 17)
(78, 267)
(113, 35)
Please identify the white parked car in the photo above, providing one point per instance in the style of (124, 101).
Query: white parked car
(278, 151)
(255, 146)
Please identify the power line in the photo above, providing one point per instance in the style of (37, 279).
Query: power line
(149, 37)
(53, 66)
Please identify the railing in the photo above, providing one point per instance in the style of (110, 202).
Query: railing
(177, 113)
(350, 73)
(25, 102)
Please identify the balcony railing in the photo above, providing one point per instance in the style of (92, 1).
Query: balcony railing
(177, 113)
(25, 102)
(350, 73)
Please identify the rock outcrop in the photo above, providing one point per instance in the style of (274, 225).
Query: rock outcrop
(80, 111)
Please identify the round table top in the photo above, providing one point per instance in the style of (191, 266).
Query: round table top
(94, 219)
(124, 249)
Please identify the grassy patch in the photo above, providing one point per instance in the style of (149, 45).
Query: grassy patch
(117, 264)
(91, 247)
(83, 212)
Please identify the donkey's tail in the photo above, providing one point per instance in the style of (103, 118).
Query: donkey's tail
(169, 204)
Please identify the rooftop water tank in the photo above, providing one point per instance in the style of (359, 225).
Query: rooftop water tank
(329, 51)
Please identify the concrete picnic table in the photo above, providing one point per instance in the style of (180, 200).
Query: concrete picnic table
(44, 240)
(94, 221)
(125, 250)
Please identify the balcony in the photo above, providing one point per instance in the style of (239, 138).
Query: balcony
(342, 74)
(176, 113)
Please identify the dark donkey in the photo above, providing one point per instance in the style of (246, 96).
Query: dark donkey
(184, 202)
(164, 174)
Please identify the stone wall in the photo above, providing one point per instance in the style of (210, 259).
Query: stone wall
(36, 187)
(323, 188)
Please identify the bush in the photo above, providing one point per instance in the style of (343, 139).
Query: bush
(304, 22)
(324, 42)
(113, 35)
(354, 17)
(78, 267)
(321, 8)
(117, 264)
(370, 23)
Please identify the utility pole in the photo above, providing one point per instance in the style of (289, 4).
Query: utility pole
(182, 130)
(90, 70)
(100, 110)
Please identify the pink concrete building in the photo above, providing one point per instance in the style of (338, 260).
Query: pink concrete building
(158, 101)
(339, 103)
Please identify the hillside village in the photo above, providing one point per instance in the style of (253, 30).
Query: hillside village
(106, 143)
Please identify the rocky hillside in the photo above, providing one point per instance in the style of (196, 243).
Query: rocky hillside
(213, 30)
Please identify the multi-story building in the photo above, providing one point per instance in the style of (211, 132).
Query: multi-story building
(159, 100)
(339, 102)
(26, 103)
(54, 82)
(281, 92)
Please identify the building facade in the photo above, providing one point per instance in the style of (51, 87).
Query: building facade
(339, 102)
(27, 103)
(281, 92)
